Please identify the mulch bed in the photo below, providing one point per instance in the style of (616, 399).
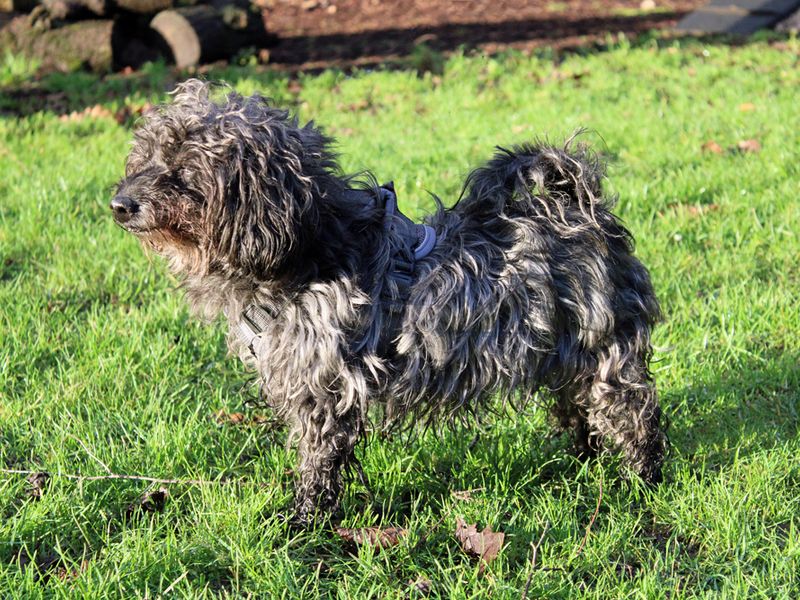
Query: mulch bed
(320, 33)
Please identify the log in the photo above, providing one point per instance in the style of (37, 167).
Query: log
(201, 34)
(51, 13)
(22, 6)
(100, 45)
(148, 7)
(83, 44)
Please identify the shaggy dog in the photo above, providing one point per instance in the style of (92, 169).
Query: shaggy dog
(528, 284)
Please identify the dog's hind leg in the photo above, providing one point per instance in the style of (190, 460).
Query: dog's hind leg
(326, 448)
(623, 408)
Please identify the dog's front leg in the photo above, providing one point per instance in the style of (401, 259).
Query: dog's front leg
(326, 447)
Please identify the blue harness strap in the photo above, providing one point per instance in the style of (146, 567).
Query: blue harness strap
(409, 241)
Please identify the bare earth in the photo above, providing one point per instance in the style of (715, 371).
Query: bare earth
(318, 33)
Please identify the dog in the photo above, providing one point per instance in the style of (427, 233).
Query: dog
(340, 304)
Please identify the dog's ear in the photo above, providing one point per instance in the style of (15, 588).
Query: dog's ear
(267, 184)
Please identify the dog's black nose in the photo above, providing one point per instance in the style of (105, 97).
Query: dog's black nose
(124, 208)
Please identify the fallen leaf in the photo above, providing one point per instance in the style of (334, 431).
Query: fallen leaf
(130, 112)
(224, 418)
(357, 106)
(697, 210)
(374, 536)
(694, 210)
(420, 585)
(747, 107)
(47, 564)
(485, 544)
(152, 501)
(37, 481)
(294, 87)
(90, 112)
(748, 146)
(464, 494)
(712, 146)
(65, 574)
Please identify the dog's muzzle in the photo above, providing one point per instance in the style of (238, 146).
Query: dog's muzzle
(124, 208)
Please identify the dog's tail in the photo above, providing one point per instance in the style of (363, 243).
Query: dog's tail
(537, 180)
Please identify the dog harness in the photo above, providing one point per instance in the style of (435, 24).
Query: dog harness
(409, 243)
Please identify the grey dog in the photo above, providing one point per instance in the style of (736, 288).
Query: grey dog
(529, 285)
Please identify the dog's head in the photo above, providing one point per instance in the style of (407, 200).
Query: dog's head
(228, 186)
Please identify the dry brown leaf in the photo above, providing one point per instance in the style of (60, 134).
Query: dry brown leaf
(694, 210)
(465, 495)
(420, 586)
(748, 146)
(65, 574)
(294, 87)
(152, 501)
(485, 544)
(747, 107)
(90, 112)
(224, 418)
(697, 210)
(130, 112)
(357, 106)
(46, 564)
(712, 146)
(374, 536)
(37, 481)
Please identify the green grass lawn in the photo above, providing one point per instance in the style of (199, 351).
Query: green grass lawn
(102, 368)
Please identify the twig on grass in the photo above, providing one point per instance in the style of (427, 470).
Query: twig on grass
(591, 521)
(535, 548)
(82, 478)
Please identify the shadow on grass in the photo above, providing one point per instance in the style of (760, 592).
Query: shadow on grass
(743, 411)
(371, 48)
(746, 410)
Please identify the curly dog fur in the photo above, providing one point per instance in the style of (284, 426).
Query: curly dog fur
(532, 285)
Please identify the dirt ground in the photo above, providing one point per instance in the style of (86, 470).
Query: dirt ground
(317, 33)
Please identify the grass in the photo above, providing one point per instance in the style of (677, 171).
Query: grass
(101, 366)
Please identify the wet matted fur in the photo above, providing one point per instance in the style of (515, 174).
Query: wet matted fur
(532, 285)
